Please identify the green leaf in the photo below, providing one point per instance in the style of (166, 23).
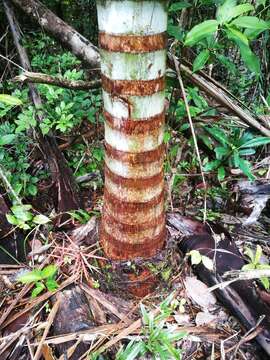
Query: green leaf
(30, 277)
(196, 257)
(258, 254)
(237, 36)
(176, 32)
(201, 60)
(221, 173)
(233, 12)
(249, 253)
(10, 100)
(246, 152)
(208, 263)
(212, 165)
(218, 134)
(51, 285)
(41, 219)
(49, 271)
(179, 6)
(166, 137)
(145, 315)
(12, 219)
(221, 151)
(258, 141)
(248, 267)
(223, 11)
(38, 289)
(250, 59)
(227, 63)
(7, 139)
(244, 165)
(200, 32)
(21, 212)
(265, 282)
(251, 22)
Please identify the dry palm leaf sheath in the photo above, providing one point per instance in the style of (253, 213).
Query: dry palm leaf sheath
(133, 59)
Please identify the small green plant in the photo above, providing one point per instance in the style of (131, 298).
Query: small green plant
(234, 25)
(255, 264)
(23, 218)
(197, 258)
(158, 341)
(232, 149)
(43, 279)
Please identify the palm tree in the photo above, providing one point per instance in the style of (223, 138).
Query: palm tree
(132, 38)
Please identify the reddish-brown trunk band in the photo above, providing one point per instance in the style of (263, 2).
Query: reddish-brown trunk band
(132, 43)
(143, 157)
(130, 126)
(133, 87)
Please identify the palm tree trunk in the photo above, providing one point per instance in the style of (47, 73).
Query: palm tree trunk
(132, 37)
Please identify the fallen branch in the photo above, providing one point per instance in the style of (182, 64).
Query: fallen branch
(219, 95)
(247, 274)
(40, 78)
(69, 37)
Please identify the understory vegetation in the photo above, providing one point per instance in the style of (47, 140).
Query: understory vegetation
(217, 153)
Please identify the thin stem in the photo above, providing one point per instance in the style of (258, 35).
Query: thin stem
(192, 131)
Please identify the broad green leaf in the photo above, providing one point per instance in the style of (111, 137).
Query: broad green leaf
(48, 271)
(201, 60)
(207, 262)
(134, 350)
(7, 139)
(51, 285)
(237, 36)
(212, 165)
(179, 6)
(223, 11)
(31, 276)
(252, 34)
(251, 22)
(41, 219)
(237, 11)
(250, 59)
(246, 152)
(10, 100)
(12, 219)
(22, 212)
(218, 134)
(200, 32)
(236, 158)
(259, 141)
(196, 257)
(176, 32)
(244, 165)
(221, 173)
(38, 289)
(221, 151)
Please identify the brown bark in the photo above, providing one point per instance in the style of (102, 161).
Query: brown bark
(69, 37)
(39, 78)
(66, 189)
